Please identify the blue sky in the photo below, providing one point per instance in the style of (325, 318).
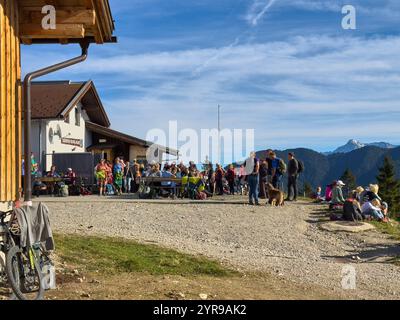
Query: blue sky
(285, 68)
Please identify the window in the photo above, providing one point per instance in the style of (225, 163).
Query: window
(77, 117)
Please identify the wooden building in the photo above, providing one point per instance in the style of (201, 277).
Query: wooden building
(21, 22)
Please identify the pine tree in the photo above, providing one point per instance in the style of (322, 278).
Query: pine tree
(307, 190)
(389, 187)
(350, 180)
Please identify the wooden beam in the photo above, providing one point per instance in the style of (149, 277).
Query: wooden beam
(35, 31)
(63, 16)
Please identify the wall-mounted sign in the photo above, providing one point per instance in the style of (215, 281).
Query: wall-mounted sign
(72, 142)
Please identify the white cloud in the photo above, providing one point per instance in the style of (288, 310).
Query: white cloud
(296, 89)
(304, 91)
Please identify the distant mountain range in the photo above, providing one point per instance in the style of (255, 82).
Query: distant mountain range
(355, 145)
(322, 169)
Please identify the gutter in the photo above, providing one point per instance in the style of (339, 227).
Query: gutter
(28, 111)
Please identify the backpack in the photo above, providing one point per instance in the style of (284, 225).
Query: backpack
(351, 212)
(301, 166)
(64, 191)
(282, 167)
(201, 196)
(263, 171)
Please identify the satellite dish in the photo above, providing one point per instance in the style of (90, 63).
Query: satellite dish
(51, 135)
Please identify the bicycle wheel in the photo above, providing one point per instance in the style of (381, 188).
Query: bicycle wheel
(3, 275)
(26, 283)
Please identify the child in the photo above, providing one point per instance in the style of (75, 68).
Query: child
(318, 195)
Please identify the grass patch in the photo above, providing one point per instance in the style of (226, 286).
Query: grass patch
(392, 228)
(111, 256)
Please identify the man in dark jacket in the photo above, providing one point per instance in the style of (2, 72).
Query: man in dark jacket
(293, 174)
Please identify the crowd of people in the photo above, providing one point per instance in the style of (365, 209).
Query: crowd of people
(62, 181)
(118, 177)
(250, 178)
(360, 204)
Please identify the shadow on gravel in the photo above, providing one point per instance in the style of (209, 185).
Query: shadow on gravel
(377, 253)
(318, 215)
(321, 211)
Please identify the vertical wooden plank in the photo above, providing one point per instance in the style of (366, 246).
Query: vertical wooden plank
(18, 106)
(10, 102)
(13, 150)
(8, 54)
(2, 103)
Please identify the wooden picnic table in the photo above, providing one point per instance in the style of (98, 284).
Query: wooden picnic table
(49, 179)
(160, 179)
(156, 183)
(49, 184)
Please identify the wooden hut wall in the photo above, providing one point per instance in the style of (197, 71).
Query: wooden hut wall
(10, 102)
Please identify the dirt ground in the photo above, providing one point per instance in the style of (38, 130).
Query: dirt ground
(149, 287)
(281, 253)
(73, 284)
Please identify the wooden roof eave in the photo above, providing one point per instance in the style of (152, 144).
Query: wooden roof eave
(76, 20)
(78, 97)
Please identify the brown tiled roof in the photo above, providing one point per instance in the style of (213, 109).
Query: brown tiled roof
(54, 99)
(49, 99)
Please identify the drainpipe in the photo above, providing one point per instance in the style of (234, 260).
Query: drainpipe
(27, 112)
(40, 144)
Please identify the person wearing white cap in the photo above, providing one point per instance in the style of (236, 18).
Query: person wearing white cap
(70, 177)
(337, 193)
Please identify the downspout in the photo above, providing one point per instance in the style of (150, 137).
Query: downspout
(40, 145)
(28, 114)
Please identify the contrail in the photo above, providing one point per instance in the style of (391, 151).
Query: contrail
(254, 20)
(216, 56)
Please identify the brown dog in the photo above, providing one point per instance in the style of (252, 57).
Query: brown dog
(275, 197)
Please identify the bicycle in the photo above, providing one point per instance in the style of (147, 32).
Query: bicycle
(23, 266)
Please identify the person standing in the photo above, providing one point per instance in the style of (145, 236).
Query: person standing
(230, 177)
(219, 176)
(278, 170)
(34, 166)
(269, 163)
(118, 171)
(263, 179)
(101, 176)
(293, 174)
(127, 177)
(253, 169)
(211, 178)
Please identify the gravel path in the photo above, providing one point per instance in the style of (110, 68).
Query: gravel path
(284, 241)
